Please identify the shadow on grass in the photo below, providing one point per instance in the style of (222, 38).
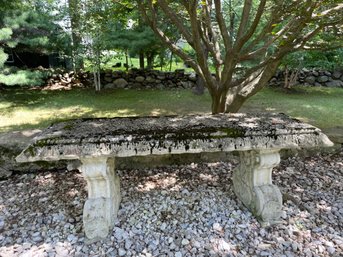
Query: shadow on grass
(26, 109)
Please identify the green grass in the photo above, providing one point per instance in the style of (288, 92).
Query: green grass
(322, 107)
(23, 109)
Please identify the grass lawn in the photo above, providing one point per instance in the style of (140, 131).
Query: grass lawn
(23, 109)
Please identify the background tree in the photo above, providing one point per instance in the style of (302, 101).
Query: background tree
(74, 7)
(129, 33)
(29, 26)
(245, 44)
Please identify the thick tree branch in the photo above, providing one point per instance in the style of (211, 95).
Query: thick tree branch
(173, 47)
(222, 26)
(244, 19)
(176, 21)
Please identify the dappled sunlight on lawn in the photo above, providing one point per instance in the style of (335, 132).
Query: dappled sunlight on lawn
(27, 109)
(27, 116)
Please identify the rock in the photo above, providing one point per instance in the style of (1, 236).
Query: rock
(163, 226)
(185, 84)
(108, 79)
(150, 79)
(334, 83)
(224, 246)
(323, 79)
(192, 77)
(310, 79)
(185, 241)
(140, 79)
(336, 74)
(119, 233)
(120, 83)
(331, 250)
(317, 84)
(37, 239)
(315, 73)
(161, 77)
(217, 227)
(72, 238)
(121, 252)
(178, 254)
(61, 250)
(2, 223)
(109, 86)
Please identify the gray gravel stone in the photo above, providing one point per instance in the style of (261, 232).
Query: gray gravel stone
(188, 210)
(178, 254)
(121, 252)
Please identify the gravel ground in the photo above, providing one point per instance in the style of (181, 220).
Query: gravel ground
(188, 210)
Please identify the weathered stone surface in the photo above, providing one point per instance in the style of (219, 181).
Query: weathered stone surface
(163, 135)
(109, 86)
(102, 205)
(108, 78)
(150, 79)
(310, 79)
(334, 83)
(252, 182)
(96, 141)
(120, 83)
(322, 79)
(139, 78)
(336, 74)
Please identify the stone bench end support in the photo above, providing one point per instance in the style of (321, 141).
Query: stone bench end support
(101, 207)
(252, 181)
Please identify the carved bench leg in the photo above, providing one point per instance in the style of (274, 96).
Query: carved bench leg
(252, 181)
(102, 204)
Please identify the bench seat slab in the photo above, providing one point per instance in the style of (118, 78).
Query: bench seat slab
(103, 201)
(252, 181)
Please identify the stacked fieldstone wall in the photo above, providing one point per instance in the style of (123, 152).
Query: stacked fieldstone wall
(313, 77)
(139, 79)
(179, 79)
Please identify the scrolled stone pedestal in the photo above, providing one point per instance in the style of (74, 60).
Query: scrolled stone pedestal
(252, 181)
(103, 201)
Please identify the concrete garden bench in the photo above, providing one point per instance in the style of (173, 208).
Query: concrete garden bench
(96, 142)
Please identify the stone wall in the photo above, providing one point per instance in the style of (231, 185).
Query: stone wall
(146, 79)
(139, 79)
(313, 77)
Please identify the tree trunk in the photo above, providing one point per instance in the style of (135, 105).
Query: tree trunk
(127, 60)
(150, 60)
(171, 61)
(74, 6)
(97, 69)
(223, 103)
(234, 103)
(141, 60)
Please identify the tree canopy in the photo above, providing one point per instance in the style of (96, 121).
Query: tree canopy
(243, 40)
